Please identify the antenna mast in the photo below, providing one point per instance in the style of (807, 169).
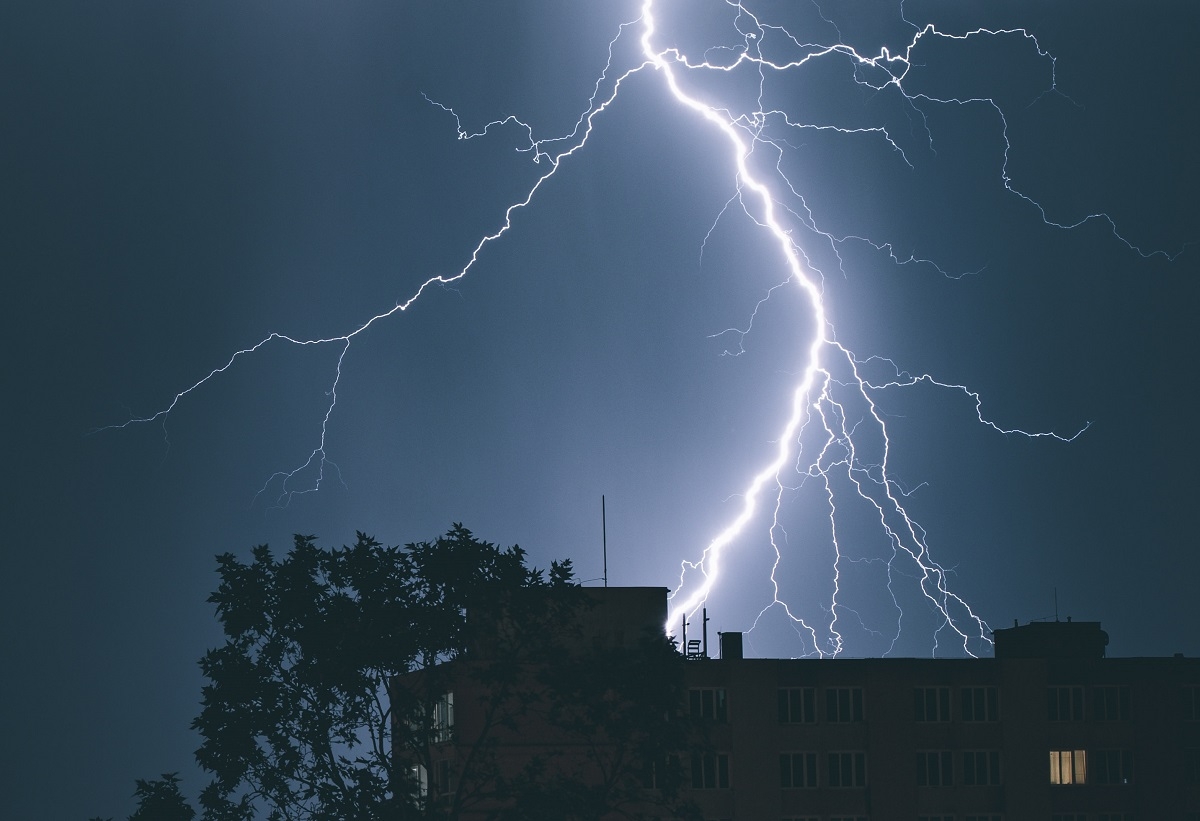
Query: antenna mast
(604, 537)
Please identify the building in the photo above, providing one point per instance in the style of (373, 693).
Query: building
(1050, 729)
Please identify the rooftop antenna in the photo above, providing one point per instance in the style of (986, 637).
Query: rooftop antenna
(604, 538)
(1056, 604)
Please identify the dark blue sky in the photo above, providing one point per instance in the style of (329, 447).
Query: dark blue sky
(180, 180)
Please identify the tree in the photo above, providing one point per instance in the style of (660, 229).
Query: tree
(160, 800)
(323, 702)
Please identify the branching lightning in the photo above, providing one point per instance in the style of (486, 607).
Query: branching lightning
(833, 433)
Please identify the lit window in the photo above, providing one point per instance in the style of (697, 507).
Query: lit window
(980, 704)
(847, 769)
(1068, 767)
(1065, 703)
(935, 769)
(1110, 703)
(1112, 766)
(981, 768)
(708, 702)
(797, 770)
(710, 771)
(844, 704)
(931, 703)
(797, 705)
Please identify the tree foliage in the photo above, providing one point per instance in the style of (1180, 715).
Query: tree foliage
(322, 702)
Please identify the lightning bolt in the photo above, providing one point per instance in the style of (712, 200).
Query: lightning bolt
(834, 434)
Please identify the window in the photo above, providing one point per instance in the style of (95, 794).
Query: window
(710, 771)
(437, 785)
(981, 768)
(847, 769)
(662, 773)
(1191, 703)
(1065, 703)
(1114, 816)
(801, 818)
(980, 704)
(797, 705)
(1191, 766)
(935, 769)
(1110, 703)
(437, 719)
(441, 782)
(931, 703)
(844, 704)
(443, 718)
(984, 817)
(847, 818)
(708, 703)
(1112, 766)
(935, 818)
(1068, 767)
(797, 770)
(1068, 816)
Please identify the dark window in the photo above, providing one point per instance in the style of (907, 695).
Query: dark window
(935, 769)
(798, 770)
(984, 817)
(797, 705)
(1191, 766)
(981, 767)
(1110, 703)
(708, 702)
(1065, 703)
(1114, 816)
(847, 769)
(1191, 703)
(844, 704)
(980, 704)
(931, 703)
(710, 771)
(1111, 766)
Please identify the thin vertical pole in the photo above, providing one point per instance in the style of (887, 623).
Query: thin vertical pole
(604, 538)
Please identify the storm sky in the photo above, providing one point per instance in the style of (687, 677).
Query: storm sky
(178, 181)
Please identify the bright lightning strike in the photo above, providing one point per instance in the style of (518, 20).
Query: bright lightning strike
(833, 433)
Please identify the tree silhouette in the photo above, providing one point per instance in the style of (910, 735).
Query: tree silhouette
(328, 698)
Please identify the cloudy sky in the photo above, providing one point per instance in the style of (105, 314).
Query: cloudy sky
(180, 181)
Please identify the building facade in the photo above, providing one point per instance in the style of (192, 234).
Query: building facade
(1048, 730)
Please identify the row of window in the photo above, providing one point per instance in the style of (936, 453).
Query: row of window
(934, 768)
(800, 705)
(1058, 816)
(979, 768)
(710, 771)
(1094, 767)
(849, 769)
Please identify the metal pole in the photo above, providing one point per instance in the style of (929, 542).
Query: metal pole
(604, 537)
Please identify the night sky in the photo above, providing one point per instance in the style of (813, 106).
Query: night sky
(180, 180)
